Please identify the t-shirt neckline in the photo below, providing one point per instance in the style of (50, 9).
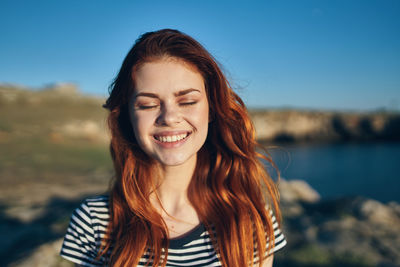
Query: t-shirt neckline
(180, 241)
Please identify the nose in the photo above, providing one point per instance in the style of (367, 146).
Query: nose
(169, 115)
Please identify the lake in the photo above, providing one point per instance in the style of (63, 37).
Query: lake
(347, 169)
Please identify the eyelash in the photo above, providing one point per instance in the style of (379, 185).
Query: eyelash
(147, 107)
(181, 104)
(188, 103)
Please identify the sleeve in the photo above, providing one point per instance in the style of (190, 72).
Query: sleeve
(280, 240)
(79, 244)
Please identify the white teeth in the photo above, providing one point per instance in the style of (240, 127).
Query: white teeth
(171, 138)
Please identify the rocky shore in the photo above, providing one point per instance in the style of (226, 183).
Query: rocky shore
(325, 126)
(338, 232)
(350, 231)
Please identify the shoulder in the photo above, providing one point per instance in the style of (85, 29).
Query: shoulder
(97, 204)
(96, 201)
(93, 208)
(279, 237)
(94, 213)
(85, 231)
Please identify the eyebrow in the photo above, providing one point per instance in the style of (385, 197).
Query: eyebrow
(179, 93)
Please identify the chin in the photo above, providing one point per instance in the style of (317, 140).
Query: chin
(172, 163)
(175, 161)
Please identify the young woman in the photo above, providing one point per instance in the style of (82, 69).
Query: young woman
(189, 187)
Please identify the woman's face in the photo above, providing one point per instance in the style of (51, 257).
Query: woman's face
(169, 111)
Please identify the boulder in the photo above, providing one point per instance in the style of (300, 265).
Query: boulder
(297, 190)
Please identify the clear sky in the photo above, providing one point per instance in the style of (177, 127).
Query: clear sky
(322, 54)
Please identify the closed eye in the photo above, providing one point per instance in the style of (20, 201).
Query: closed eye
(147, 107)
(187, 103)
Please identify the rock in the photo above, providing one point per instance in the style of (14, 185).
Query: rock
(272, 125)
(348, 228)
(395, 207)
(378, 213)
(301, 125)
(297, 190)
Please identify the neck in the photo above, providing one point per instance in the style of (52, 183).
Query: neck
(173, 204)
(174, 183)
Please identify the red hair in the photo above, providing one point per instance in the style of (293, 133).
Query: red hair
(229, 188)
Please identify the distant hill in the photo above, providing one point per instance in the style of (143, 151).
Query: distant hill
(57, 111)
(62, 111)
(325, 126)
(51, 138)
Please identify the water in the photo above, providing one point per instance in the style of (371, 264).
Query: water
(335, 170)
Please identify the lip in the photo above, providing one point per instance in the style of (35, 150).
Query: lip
(174, 144)
(167, 133)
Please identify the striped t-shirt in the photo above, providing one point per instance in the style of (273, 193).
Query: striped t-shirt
(88, 227)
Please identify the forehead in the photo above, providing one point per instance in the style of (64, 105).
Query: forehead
(167, 74)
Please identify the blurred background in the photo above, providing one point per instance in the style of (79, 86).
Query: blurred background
(321, 80)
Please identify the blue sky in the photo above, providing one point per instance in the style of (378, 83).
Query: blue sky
(322, 54)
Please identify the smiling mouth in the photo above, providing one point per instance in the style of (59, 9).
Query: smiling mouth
(171, 138)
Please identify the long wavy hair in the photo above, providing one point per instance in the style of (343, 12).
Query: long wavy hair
(229, 189)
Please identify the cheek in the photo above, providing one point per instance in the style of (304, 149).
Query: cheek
(140, 125)
(202, 117)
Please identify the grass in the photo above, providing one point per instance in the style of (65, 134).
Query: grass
(40, 155)
(30, 154)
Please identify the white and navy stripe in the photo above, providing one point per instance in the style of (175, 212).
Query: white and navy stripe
(88, 227)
